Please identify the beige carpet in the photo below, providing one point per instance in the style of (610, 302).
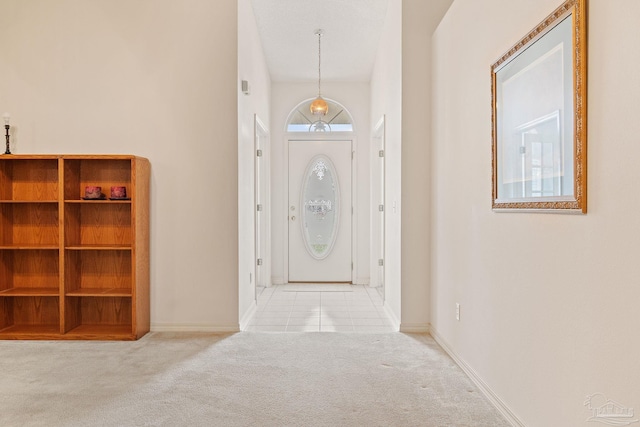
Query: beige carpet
(244, 379)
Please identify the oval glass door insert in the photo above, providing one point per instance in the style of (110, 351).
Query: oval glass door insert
(320, 200)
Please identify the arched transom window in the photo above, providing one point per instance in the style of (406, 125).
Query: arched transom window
(336, 120)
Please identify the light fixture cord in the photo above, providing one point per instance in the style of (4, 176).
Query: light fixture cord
(319, 60)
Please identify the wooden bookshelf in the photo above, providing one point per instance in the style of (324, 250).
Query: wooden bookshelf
(73, 268)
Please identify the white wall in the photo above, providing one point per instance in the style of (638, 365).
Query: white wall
(386, 100)
(419, 20)
(155, 78)
(549, 302)
(253, 68)
(401, 90)
(355, 98)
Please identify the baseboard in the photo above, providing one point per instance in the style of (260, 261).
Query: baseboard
(362, 281)
(276, 280)
(473, 375)
(193, 327)
(414, 328)
(248, 315)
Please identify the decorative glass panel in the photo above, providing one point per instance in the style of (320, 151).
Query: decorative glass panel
(337, 120)
(320, 200)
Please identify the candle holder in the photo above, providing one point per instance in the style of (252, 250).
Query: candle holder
(6, 127)
(6, 118)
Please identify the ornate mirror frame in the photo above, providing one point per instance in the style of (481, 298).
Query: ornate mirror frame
(539, 117)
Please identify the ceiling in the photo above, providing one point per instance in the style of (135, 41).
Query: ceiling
(349, 44)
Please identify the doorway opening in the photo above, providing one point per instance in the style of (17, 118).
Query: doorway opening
(262, 217)
(321, 226)
(378, 215)
(314, 168)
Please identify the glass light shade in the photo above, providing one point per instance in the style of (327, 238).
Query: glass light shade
(319, 107)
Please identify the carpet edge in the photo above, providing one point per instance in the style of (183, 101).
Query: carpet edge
(193, 327)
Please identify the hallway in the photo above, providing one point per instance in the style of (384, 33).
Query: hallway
(320, 308)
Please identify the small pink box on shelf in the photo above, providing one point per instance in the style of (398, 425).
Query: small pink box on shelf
(92, 192)
(118, 192)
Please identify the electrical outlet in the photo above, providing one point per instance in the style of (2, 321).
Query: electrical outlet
(458, 312)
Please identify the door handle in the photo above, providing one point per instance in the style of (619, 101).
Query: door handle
(293, 218)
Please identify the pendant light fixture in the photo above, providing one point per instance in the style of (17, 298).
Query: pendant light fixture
(319, 106)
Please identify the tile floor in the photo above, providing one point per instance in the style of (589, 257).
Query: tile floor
(320, 308)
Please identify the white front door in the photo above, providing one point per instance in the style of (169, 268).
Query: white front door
(320, 211)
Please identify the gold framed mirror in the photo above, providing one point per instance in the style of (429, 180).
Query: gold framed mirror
(539, 117)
